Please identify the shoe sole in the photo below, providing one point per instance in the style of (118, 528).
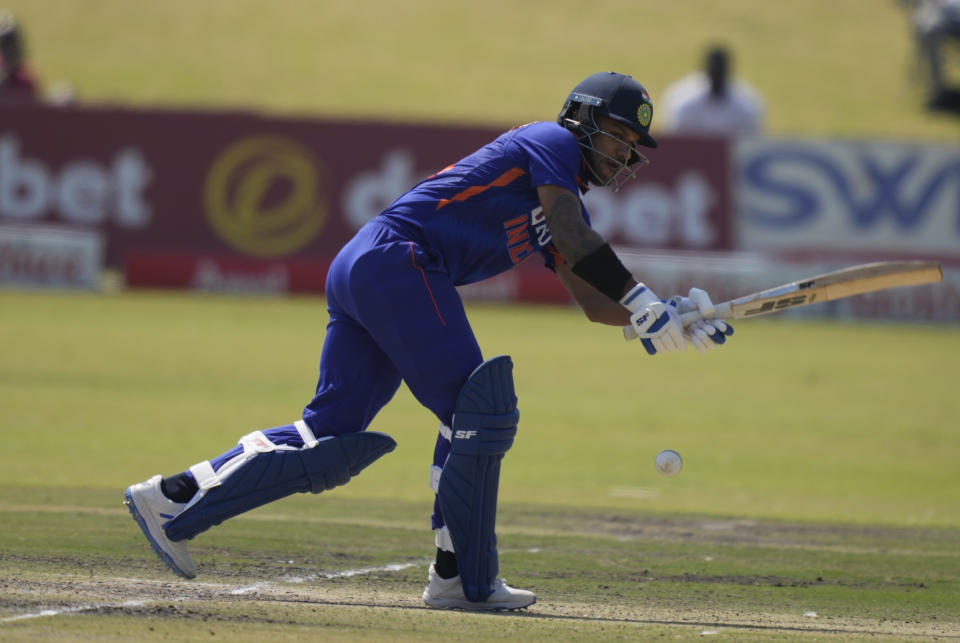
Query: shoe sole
(456, 604)
(166, 558)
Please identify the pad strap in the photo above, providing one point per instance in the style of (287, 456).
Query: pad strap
(440, 456)
(446, 432)
(435, 473)
(443, 539)
(309, 439)
(204, 475)
(257, 442)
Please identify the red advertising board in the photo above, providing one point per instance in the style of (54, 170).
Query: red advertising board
(173, 191)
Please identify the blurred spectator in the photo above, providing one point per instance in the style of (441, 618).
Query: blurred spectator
(17, 82)
(712, 101)
(936, 26)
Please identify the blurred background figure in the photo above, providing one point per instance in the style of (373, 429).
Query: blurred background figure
(712, 101)
(17, 82)
(936, 25)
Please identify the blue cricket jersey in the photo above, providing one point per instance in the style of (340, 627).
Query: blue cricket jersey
(482, 214)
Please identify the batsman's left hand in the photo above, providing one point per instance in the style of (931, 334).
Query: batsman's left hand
(707, 333)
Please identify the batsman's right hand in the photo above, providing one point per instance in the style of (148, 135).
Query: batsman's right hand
(659, 328)
(655, 322)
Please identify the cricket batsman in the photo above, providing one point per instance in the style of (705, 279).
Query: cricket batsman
(395, 315)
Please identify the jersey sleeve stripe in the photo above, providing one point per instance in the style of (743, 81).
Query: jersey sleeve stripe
(506, 178)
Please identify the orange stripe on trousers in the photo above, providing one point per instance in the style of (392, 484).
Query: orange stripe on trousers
(413, 262)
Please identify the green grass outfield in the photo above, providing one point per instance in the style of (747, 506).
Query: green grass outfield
(820, 478)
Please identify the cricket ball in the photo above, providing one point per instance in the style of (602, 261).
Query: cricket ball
(669, 462)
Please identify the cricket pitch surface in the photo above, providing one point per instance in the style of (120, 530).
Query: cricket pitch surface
(598, 576)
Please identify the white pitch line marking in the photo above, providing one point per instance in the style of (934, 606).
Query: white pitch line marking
(234, 591)
(392, 567)
(347, 573)
(70, 610)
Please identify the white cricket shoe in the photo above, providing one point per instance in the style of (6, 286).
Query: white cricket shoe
(447, 593)
(151, 509)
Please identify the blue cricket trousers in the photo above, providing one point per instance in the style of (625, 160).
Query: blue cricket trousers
(394, 314)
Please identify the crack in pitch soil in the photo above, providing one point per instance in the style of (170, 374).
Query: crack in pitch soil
(205, 601)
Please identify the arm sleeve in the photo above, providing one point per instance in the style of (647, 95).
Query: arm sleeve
(553, 155)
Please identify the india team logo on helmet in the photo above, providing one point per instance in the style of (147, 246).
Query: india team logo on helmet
(644, 114)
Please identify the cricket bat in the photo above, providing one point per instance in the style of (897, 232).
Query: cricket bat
(847, 282)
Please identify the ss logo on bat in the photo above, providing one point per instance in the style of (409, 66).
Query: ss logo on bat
(779, 304)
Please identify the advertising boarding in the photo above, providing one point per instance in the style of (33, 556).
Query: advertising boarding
(825, 203)
(834, 195)
(234, 201)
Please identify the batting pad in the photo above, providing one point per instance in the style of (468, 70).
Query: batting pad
(484, 425)
(266, 471)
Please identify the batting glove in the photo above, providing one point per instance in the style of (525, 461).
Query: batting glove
(655, 322)
(707, 333)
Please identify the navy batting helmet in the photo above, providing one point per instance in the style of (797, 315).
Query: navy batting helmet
(617, 96)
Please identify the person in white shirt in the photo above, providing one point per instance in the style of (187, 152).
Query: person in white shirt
(937, 29)
(711, 102)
